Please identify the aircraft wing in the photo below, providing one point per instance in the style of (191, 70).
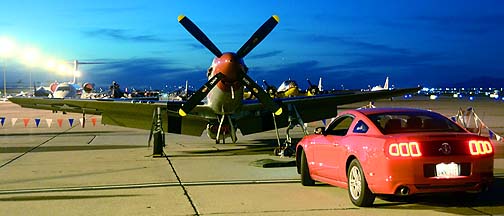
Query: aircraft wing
(310, 108)
(128, 113)
(252, 118)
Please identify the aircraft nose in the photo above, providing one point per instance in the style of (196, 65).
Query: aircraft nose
(231, 66)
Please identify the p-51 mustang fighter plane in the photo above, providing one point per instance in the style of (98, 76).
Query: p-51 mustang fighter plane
(225, 111)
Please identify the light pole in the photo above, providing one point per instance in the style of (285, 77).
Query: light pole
(7, 46)
(4, 81)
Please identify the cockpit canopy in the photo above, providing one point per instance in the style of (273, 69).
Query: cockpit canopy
(286, 85)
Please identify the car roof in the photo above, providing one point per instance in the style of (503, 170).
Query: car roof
(372, 111)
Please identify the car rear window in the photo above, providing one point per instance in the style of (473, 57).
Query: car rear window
(406, 122)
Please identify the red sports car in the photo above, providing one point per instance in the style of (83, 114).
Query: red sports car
(395, 151)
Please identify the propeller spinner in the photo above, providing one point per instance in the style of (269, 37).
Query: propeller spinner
(232, 71)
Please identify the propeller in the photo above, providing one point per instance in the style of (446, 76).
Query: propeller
(314, 89)
(272, 90)
(199, 35)
(258, 36)
(245, 80)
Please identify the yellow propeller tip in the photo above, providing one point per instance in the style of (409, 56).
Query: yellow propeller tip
(279, 111)
(180, 17)
(181, 112)
(276, 18)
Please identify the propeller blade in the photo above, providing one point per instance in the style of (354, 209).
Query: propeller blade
(309, 82)
(199, 35)
(196, 98)
(258, 36)
(259, 93)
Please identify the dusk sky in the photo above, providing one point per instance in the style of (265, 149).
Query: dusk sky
(350, 43)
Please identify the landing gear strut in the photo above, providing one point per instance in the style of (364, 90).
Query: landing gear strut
(286, 149)
(231, 132)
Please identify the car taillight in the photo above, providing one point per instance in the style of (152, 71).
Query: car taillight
(479, 147)
(409, 149)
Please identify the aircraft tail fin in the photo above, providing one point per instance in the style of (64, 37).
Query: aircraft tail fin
(320, 85)
(385, 86)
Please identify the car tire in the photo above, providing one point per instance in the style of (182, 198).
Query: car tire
(358, 190)
(306, 179)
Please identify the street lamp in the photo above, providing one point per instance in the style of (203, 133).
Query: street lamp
(7, 47)
(31, 57)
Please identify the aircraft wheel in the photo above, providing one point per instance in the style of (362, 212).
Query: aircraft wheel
(358, 190)
(306, 179)
(277, 151)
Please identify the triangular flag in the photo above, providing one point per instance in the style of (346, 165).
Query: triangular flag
(60, 122)
(13, 121)
(490, 134)
(81, 120)
(454, 118)
(2, 120)
(25, 121)
(49, 122)
(499, 138)
(71, 120)
(93, 120)
(37, 121)
(324, 122)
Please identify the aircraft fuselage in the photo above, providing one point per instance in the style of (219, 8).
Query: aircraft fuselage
(227, 97)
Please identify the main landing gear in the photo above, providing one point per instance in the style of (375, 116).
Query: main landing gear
(229, 129)
(287, 149)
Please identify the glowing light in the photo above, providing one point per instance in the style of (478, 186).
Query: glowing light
(51, 64)
(7, 46)
(77, 73)
(31, 56)
(405, 149)
(480, 147)
(63, 68)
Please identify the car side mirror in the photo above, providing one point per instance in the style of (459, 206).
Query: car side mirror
(319, 131)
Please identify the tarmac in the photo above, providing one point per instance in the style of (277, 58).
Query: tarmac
(108, 170)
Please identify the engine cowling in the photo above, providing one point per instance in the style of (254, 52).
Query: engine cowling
(53, 86)
(88, 87)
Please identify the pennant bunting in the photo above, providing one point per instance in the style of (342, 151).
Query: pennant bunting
(13, 121)
(49, 122)
(81, 120)
(93, 120)
(37, 122)
(25, 121)
(2, 121)
(465, 119)
(60, 122)
(71, 121)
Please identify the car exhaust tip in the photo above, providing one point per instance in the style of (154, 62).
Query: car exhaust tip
(404, 191)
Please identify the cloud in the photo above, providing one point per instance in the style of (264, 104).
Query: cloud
(196, 46)
(122, 35)
(265, 55)
(355, 44)
(144, 72)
